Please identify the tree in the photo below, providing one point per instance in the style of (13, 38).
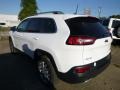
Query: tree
(28, 8)
(115, 16)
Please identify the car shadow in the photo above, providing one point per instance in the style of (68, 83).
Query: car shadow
(18, 72)
(116, 43)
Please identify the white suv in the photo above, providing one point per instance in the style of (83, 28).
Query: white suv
(72, 47)
(114, 26)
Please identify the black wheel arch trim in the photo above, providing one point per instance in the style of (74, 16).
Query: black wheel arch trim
(39, 52)
(11, 38)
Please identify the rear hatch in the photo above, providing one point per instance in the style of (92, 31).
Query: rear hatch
(89, 32)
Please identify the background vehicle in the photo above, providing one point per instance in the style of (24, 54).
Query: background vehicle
(114, 26)
(74, 48)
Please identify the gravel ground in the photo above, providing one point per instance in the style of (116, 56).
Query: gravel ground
(107, 80)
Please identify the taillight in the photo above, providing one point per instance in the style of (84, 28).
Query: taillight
(82, 69)
(80, 40)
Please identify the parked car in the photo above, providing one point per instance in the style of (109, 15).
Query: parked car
(114, 26)
(105, 22)
(70, 47)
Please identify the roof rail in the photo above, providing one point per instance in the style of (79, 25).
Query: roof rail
(51, 12)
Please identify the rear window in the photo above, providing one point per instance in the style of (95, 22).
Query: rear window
(87, 26)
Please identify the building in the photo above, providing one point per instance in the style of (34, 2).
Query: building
(8, 20)
(87, 11)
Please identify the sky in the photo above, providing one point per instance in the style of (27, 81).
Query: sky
(108, 7)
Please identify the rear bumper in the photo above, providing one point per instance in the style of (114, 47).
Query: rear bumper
(116, 38)
(96, 68)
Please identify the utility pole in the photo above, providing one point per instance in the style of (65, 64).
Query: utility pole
(99, 11)
(76, 11)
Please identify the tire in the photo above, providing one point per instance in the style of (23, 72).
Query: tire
(47, 73)
(114, 42)
(12, 49)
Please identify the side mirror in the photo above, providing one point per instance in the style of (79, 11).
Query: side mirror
(13, 28)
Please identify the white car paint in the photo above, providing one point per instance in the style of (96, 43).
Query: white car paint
(65, 56)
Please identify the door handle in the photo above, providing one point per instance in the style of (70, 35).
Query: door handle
(106, 40)
(18, 35)
(35, 38)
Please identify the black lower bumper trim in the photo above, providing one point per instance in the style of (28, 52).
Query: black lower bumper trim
(72, 77)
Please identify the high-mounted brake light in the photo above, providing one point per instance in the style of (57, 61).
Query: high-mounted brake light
(80, 40)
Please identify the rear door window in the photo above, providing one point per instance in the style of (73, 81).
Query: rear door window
(41, 25)
(87, 26)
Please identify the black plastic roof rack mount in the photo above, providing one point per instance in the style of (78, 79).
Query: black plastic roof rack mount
(51, 12)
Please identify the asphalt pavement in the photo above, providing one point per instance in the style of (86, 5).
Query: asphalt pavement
(18, 72)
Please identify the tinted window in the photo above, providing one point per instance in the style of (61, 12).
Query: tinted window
(41, 25)
(87, 26)
(115, 23)
(23, 26)
(106, 22)
(2, 23)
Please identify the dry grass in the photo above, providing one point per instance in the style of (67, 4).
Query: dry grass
(4, 38)
(4, 29)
